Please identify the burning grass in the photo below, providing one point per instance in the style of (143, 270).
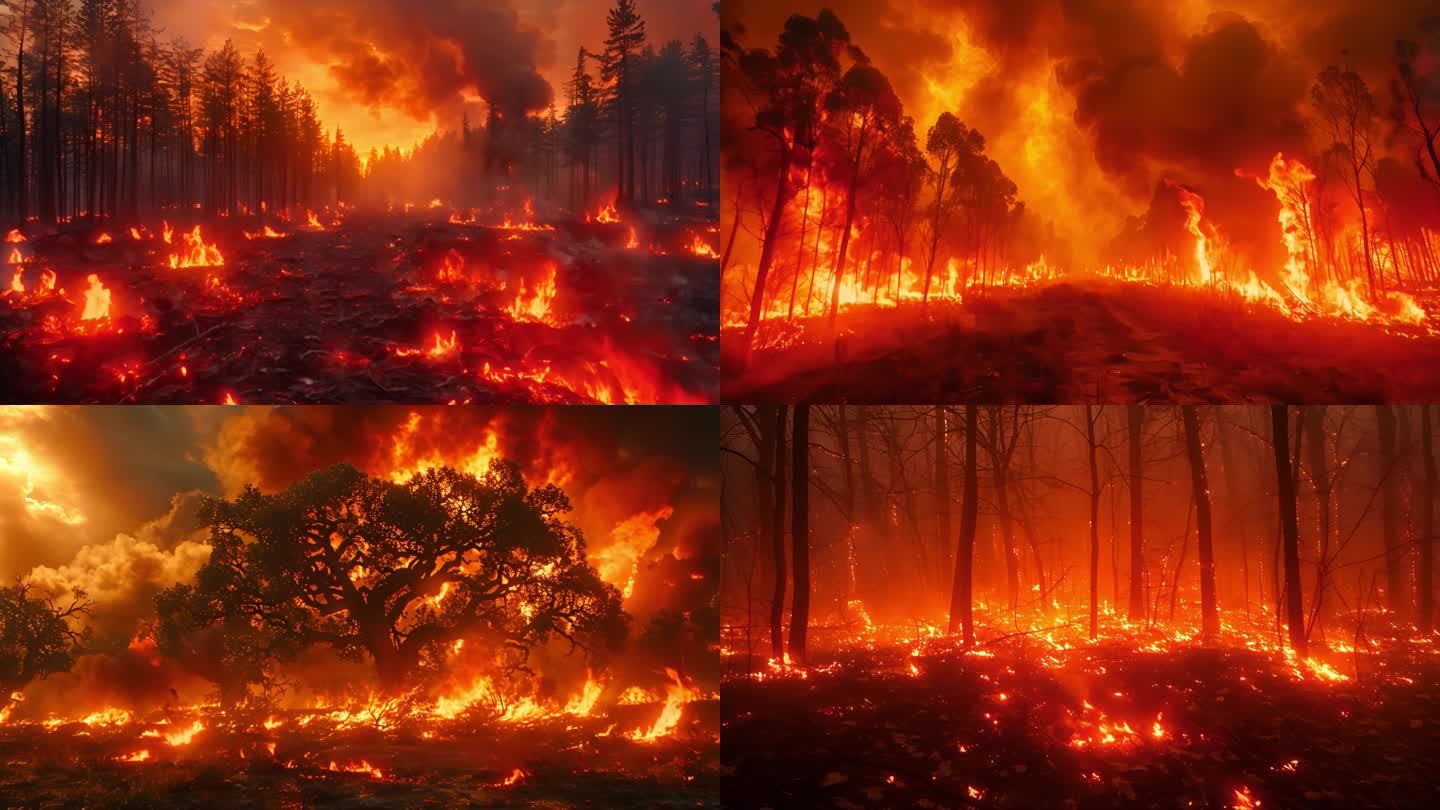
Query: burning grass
(1088, 339)
(420, 305)
(1039, 717)
(378, 756)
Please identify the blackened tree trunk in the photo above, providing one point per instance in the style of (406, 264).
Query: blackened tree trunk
(1396, 587)
(1209, 612)
(1135, 416)
(777, 539)
(800, 536)
(1090, 416)
(1424, 582)
(942, 479)
(961, 603)
(1289, 527)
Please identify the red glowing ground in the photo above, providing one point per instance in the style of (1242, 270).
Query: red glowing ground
(1134, 720)
(429, 305)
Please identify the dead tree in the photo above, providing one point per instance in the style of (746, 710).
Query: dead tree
(1135, 416)
(1091, 415)
(1396, 587)
(1289, 526)
(777, 539)
(800, 536)
(961, 607)
(1209, 612)
(1424, 582)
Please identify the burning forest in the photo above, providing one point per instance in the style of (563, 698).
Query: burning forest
(379, 605)
(1061, 202)
(192, 225)
(1082, 606)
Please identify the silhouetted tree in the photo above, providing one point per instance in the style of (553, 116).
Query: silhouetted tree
(398, 571)
(37, 637)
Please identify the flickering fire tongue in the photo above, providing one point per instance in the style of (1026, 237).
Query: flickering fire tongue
(451, 307)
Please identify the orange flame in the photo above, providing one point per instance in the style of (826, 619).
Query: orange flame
(677, 695)
(97, 300)
(537, 306)
(197, 253)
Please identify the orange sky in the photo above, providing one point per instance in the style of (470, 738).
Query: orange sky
(561, 27)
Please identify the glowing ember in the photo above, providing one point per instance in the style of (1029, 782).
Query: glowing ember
(15, 237)
(103, 239)
(138, 756)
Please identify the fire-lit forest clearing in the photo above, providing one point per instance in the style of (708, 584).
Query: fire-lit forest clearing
(445, 607)
(182, 224)
(1085, 606)
(1060, 202)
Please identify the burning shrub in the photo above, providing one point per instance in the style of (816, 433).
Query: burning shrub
(398, 571)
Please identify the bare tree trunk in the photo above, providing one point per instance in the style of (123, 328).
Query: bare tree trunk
(800, 536)
(777, 599)
(961, 601)
(1135, 416)
(1094, 523)
(942, 480)
(1209, 611)
(1396, 588)
(1289, 527)
(1424, 582)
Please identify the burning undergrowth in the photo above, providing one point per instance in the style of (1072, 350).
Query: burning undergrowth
(400, 604)
(415, 304)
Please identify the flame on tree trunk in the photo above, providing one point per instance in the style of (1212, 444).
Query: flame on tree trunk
(777, 600)
(1135, 417)
(1289, 527)
(961, 602)
(800, 540)
(1209, 614)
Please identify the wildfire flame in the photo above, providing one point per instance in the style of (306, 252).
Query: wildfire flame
(536, 307)
(97, 300)
(185, 735)
(701, 248)
(677, 695)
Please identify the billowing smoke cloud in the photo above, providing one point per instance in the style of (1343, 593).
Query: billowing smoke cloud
(1090, 104)
(420, 55)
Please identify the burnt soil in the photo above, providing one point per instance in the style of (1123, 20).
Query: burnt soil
(869, 734)
(1092, 341)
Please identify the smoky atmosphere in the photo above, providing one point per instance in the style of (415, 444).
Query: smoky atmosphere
(1049, 201)
(434, 201)
(1083, 606)
(347, 606)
